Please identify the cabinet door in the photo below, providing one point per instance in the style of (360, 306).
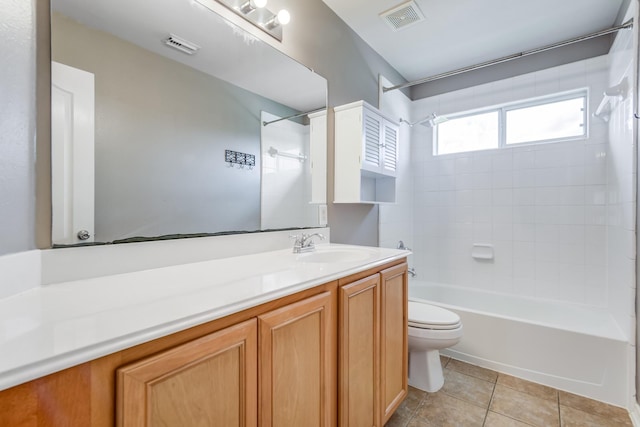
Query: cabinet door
(359, 314)
(372, 141)
(393, 339)
(296, 364)
(390, 148)
(209, 381)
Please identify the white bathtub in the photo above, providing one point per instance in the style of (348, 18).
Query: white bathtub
(578, 349)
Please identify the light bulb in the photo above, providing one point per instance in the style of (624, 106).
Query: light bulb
(251, 5)
(284, 17)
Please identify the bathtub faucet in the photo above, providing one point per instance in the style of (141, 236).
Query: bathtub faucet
(402, 247)
(412, 272)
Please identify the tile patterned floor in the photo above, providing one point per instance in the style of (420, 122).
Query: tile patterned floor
(474, 396)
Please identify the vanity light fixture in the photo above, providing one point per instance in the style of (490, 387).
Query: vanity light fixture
(256, 12)
(282, 18)
(251, 5)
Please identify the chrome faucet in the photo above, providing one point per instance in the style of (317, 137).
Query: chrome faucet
(412, 272)
(304, 242)
(401, 246)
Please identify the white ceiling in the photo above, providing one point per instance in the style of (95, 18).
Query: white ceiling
(459, 33)
(226, 51)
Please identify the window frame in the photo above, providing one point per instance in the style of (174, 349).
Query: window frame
(502, 110)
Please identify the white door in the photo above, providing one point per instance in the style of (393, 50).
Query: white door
(72, 154)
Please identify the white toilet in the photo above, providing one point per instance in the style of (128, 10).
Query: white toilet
(431, 328)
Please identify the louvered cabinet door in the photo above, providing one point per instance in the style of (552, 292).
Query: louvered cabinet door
(372, 144)
(390, 148)
(297, 373)
(210, 381)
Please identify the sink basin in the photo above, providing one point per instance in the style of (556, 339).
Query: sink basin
(334, 255)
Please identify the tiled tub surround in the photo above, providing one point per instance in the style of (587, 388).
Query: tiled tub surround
(569, 347)
(560, 216)
(543, 207)
(477, 397)
(622, 198)
(53, 327)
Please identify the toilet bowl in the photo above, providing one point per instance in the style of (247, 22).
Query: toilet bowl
(431, 329)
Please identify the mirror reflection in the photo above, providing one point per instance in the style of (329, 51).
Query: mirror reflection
(142, 131)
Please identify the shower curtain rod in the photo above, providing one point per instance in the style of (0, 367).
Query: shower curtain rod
(294, 116)
(507, 58)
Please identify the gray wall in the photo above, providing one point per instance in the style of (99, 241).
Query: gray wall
(317, 38)
(540, 61)
(160, 139)
(17, 126)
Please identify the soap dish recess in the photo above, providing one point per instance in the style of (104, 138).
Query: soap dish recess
(482, 251)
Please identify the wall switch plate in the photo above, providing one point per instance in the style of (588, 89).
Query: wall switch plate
(322, 215)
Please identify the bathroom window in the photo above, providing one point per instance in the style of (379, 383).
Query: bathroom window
(556, 118)
(548, 121)
(469, 133)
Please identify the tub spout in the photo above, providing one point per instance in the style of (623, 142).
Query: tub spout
(412, 272)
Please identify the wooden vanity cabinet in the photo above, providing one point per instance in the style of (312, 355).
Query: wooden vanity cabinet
(296, 364)
(276, 370)
(394, 339)
(275, 364)
(373, 359)
(359, 337)
(209, 381)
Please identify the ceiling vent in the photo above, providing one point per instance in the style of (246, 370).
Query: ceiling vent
(181, 44)
(403, 15)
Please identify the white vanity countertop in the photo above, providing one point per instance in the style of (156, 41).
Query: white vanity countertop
(54, 327)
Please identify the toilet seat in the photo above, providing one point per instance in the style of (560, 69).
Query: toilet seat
(427, 316)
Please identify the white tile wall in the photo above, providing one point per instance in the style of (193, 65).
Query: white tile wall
(286, 182)
(396, 221)
(543, 207)
(620, 209)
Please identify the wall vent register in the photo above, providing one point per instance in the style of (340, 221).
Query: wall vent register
(181, 44)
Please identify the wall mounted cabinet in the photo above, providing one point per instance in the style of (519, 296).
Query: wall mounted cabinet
(366, 155)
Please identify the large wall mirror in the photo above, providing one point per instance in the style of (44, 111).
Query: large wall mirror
(151, 141)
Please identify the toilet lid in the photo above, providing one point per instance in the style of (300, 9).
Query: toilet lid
(427, 316)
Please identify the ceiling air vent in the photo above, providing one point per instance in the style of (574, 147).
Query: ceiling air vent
(181, 44)
(403, 15)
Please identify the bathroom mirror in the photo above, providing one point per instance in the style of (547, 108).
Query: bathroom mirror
(180, 97)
